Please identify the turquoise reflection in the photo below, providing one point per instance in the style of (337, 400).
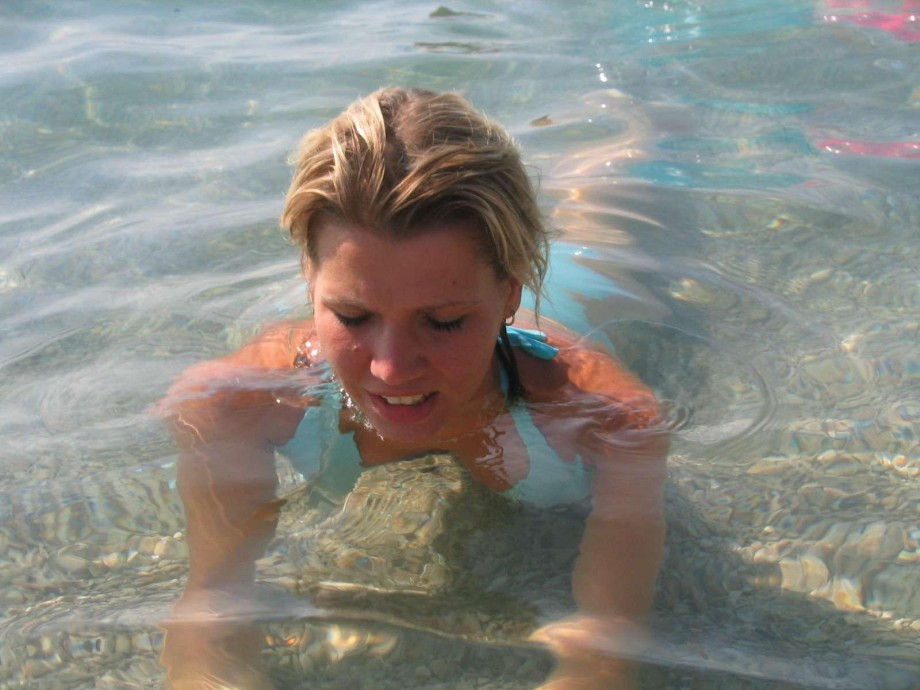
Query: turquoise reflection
(699, 176)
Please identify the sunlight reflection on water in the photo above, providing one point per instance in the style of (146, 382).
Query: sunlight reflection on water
(761, 281)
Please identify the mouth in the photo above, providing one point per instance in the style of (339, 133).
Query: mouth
(406, 399)
(404, 409)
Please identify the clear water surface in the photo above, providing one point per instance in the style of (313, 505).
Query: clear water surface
(737, 186)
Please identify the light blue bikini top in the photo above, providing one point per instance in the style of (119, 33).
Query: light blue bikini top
(320, 452)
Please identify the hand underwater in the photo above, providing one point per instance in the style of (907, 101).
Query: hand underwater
(592, 652)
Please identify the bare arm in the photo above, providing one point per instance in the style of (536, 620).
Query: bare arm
(226, 418)
(614, 576)
(624, 536)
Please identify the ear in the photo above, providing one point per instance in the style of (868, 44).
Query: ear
(514, 296)
(308, 272)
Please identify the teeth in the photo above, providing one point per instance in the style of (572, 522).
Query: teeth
(405, 399)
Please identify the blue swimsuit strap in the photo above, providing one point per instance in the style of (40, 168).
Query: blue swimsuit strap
(550, 480)
(532, 342)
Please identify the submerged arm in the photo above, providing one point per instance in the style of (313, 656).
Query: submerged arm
(226, 420)
(621, 550)
(227, 484)
(227, 417)
(614, 576)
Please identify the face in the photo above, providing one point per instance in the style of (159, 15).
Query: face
(409, 326)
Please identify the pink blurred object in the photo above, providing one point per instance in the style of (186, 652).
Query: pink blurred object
(904, 24)
(886, 149)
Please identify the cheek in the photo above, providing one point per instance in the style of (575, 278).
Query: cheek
(336, 343)
(466, 360)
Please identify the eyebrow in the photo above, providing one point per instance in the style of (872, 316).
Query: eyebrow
(355, 304)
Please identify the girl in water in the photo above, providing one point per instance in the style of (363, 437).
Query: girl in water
(419, 232)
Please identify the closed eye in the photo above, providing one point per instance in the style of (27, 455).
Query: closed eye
(447, 326)
(350, 321)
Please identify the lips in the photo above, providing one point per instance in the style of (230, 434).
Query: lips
(405, 399)
(404, 409)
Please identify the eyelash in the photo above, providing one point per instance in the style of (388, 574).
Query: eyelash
(350, 321)
(444, 326)
(447, 326)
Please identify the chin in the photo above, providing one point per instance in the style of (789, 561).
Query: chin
(406, 434)
(405, 425)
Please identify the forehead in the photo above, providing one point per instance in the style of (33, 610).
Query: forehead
(439, 263)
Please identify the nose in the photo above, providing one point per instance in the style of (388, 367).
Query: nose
(397, 358)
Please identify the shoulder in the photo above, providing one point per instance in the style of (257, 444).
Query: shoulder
(581, 371)
(258, 369)
(276, 347)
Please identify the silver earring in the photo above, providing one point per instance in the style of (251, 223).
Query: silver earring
(510, 320)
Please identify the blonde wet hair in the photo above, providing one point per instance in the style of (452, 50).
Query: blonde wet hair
(400, 160)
